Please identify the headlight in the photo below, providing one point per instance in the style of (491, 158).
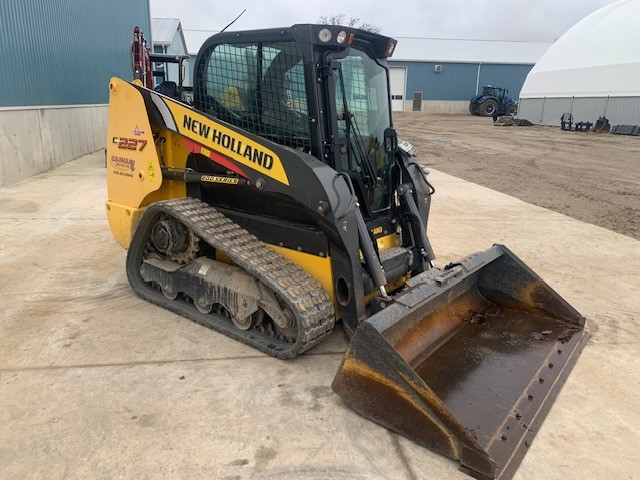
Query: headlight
(324, 35)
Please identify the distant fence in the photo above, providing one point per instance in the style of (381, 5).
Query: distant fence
(548, 110)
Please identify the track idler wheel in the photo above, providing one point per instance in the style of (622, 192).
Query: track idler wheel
(203, 307)
(242, 324)
(174, 240)
(286, 325)
(170, 294)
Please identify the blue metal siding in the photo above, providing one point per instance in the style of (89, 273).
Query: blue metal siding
(509, 76)
(64, 52)
(457, 81)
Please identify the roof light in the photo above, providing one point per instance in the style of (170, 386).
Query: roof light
(324, 35)
(341, 37)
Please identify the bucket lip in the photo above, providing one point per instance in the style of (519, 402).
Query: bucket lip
(519, 448)
(429, 285)
(470, 264)
(433, 283)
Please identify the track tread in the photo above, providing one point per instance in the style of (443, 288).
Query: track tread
(309, 303)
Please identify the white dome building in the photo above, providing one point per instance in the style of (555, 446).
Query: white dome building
(591, 71)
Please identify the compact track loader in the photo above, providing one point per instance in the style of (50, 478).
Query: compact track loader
(281, 200)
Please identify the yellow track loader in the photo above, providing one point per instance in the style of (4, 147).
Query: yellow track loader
(280, 200)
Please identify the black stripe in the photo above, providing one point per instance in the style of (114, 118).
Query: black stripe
(155, 117)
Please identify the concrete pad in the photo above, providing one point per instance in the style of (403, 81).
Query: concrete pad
(96, 383)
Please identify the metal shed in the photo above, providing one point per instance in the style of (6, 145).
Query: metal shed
(169, 38)
(438, 75)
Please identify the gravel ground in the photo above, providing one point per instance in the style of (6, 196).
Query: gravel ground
(591, 177)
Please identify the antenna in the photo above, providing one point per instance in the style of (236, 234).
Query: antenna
(234, 20)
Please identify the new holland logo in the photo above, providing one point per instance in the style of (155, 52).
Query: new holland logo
(227, 142)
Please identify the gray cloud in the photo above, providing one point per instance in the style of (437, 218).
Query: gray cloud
(532, 20)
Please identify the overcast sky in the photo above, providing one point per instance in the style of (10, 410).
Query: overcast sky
(528, 20)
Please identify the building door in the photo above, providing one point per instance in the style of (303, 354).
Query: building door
(398, 80)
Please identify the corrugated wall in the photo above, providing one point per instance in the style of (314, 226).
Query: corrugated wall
(457, 81)
(548, 111)
(63, 52)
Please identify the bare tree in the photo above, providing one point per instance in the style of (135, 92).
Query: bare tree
(369, 27)
(352, 22)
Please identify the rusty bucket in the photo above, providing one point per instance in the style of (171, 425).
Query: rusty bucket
(466, 361)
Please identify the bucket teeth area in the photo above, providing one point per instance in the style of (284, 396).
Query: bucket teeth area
(468, 367)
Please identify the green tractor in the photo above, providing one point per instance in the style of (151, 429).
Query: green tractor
(493, 101)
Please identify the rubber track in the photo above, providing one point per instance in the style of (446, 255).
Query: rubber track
(307, 300)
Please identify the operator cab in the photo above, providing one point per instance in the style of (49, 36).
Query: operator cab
(490, 91)
(320, 89)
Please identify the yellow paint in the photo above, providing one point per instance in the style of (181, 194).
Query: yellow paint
(388, 241)
(151, 172)
(221, 257)
(210, 134)
(318, 267)
(133, 176)
(130, 170)
(122, 221)
(175, 156)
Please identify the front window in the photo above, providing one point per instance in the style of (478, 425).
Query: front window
(491, 91)
(362, 101)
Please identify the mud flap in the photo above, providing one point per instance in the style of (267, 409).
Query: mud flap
(467, 361)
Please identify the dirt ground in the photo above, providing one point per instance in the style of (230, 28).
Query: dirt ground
(591, 177)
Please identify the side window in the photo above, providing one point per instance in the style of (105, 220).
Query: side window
(229, 78)
(283, 106)
(360, 98)
(258, 87)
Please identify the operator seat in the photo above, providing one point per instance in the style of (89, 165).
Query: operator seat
(170, 89)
